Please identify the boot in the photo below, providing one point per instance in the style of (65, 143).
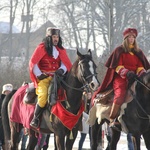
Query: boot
(53, 91)
(114, 123)
(36, 119)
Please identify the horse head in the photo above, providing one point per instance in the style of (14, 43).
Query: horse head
(86, 71)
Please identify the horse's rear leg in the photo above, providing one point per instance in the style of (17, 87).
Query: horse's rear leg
(32, 140)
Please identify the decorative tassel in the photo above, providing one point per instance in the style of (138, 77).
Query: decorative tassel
(71, 135)
(50, 118)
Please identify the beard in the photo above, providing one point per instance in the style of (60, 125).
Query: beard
(55, 42)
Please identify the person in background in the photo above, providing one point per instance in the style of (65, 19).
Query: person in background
(6, 89)
(130, 142)
(49, 58)
(87, 100)
(23, 138)
(125, 64)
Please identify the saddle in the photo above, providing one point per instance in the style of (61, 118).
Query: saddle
(30, 96)
(104, 97)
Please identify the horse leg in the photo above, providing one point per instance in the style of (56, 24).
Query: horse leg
(70, 142)
(32, 140)
(146, 136)
(95, 135)
(15, 132)
(114, 139)
(60, 139)
(136, 141)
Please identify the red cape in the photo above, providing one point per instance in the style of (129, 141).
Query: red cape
(112, 63)
(39, 53)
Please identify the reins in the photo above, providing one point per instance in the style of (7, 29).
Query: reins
(66, 84)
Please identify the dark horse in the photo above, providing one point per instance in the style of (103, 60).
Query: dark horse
(134, 116)
(82, 76)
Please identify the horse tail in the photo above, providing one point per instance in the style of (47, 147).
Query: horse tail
(5, 114)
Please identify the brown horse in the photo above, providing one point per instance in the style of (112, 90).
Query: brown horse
(65, 116)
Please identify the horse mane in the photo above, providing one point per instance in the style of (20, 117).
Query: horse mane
(74, 67)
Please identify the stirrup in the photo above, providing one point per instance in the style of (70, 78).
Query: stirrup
(115, 125)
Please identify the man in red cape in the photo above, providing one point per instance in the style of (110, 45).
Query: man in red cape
(125, 63)
(48, 58)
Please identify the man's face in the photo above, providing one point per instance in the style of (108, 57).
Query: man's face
(55, 39)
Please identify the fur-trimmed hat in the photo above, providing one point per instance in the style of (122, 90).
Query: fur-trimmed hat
(52, 31)
(130, 31)
(7, 87)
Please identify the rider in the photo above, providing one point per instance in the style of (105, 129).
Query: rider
(48, 58)
(125, 63)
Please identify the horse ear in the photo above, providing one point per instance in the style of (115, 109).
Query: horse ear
(89, 52)
(79, 54)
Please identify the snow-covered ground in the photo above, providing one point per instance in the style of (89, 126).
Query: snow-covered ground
(122, 145)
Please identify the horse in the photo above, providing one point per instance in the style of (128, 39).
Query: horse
(134, 115)
(81, 77)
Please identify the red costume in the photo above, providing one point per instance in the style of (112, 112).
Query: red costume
(116, 58)
(40, 53)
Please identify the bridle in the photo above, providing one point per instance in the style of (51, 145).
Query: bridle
(86, 86)
(84, 79)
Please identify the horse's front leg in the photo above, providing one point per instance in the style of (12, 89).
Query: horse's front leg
(32, 140)
(114, 139)
(70, 140)
(136, 141)
(15, 131)
(60, 139)
(146, 136)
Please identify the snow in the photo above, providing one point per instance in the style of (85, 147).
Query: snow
(122, 145)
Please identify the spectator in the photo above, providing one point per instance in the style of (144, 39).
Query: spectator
(130, 143)
(7, 88)
(23, 138)
(86, 128)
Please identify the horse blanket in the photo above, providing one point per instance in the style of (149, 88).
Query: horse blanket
(21, 113)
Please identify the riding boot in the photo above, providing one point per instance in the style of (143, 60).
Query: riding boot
(53, 91)
(36, 119)
(114, 123)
